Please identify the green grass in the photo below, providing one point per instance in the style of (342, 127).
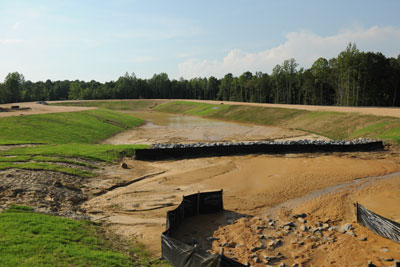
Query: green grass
(62, 159)
(89, 126)
(41, 157)
(391, 134)
(34, 239)
(99, 152)
(26, 158)
(190, 108)
(335, 125)
(46, 167)
(114, 105)
(65, 135)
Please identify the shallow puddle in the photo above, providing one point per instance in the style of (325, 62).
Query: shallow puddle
(174, 128)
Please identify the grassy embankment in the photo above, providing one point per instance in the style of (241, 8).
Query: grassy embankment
(34, 239)
(65, 137)
(334, 125)
(135, 105)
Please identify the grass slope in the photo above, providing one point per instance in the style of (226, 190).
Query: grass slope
(70, 135)
(46, 167)
(335, 125)
(99, 152)
(89, 126)
(114, 105)
(34, 239)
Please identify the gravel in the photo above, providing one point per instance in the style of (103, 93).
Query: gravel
(358, 141)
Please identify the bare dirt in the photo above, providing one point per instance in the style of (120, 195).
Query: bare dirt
(49, 192)
(30, 108)
(252, 184)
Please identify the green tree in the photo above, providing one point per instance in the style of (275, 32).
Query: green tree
(75, 90)
(320, 71)
(225, 87)
(13, 85)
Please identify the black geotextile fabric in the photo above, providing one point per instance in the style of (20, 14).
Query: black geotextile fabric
(227, 150)
(378, 224)
(180, 254)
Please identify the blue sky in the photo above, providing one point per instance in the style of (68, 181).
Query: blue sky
(101, 40)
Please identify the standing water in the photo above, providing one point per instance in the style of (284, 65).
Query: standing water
(162, 127)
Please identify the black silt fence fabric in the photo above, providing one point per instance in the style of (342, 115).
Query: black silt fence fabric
(378, 224)
(227, 150)
(180, 254)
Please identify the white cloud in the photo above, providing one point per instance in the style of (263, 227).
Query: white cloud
(143, 59)
(17, 25)
(8, 41)
(304, 46)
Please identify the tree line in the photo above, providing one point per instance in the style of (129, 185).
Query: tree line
(353, 78)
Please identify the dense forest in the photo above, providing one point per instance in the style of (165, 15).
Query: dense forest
(353, 78)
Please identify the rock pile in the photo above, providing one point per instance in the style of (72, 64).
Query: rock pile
(360, 141)
(265, 242)
(45, 191)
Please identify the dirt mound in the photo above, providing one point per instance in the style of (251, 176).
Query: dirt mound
(46, 191)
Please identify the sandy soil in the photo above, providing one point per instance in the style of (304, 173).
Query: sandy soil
(251, 184)
(326, 247)
(265, 186)
(37, 109)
